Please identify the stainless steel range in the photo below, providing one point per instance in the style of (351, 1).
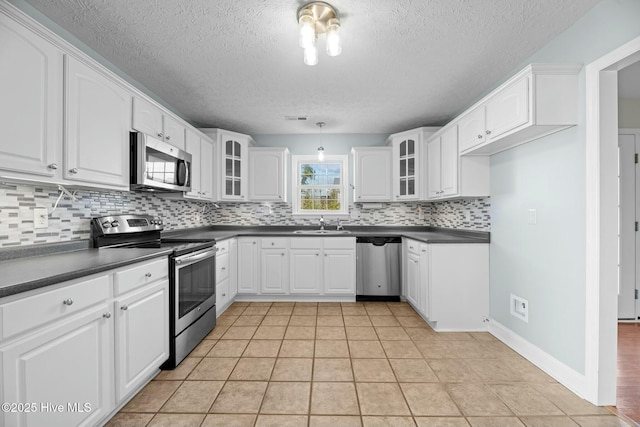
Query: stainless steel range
(192, 282)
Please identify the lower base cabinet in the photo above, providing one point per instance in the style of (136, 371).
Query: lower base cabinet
(69, 356)
(448, 284)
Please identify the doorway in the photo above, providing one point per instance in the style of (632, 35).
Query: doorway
(602, 220)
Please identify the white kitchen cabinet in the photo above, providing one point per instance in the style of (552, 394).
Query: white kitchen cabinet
(539, 100)
(274, 271)
(372, 174)
(247, 265)
(306, 270)
(201, 151)
(57, 348)
(416, 280)
(31, 79)
(339, 271)
(413, 279)
(268, 178)
(232, 150)
(142, 335)
(149, 119)
(97, 125)
(448, 174)
(406, 160)
(458, 286)
(223, 276)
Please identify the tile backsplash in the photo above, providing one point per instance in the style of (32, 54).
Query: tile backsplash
(70, 219)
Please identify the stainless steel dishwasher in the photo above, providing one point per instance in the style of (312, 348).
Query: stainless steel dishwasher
(378, 268)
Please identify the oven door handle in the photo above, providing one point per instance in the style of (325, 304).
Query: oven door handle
(183, 262)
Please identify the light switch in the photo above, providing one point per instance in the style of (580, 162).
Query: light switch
(533, 216)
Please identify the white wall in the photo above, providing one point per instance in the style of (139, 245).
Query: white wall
(545, 263)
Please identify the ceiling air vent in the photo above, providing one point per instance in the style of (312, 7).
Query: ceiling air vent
(296, 118)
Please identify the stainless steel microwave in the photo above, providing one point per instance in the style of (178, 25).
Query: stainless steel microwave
(158, 166)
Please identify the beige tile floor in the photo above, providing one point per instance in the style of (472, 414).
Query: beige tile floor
(352, 364)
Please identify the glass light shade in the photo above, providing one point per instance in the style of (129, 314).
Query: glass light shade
(320, 153)
(334, 43)
(311, 55)
(307, 29)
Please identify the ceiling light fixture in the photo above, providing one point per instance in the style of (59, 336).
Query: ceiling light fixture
(321, 148)
(316, 18)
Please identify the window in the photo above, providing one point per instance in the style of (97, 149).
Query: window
(320, 187)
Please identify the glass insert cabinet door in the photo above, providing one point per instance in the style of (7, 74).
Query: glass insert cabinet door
(233, 168)
(407, 168)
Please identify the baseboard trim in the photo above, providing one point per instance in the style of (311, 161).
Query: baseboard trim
(568, 377)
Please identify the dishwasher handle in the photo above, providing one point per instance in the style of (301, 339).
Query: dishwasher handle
(378, 240)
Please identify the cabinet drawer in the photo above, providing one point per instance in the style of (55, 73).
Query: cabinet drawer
(274, 243)
(140, 275)
(306, 243)
(222, 267)
(223, 246)
(339, 242)
(29, 312)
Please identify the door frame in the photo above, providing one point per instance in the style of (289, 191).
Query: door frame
(601, 310)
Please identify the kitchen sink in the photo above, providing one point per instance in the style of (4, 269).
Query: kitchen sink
(321, 232)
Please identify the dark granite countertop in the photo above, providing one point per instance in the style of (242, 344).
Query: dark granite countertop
(423, 234)
(24, 274)
(28, 268)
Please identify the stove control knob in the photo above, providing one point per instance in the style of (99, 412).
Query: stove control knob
(152, 221)
(159, 221)
(106, 224)
(115, 223)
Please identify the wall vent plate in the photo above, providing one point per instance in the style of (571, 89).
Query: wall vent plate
(296, 118)
(519, 307)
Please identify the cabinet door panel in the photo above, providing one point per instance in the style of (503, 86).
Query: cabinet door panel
(71, 363)
(266, 180)
(206, 170)
(472, 129)
(142, 336)
(98, 115)
(373, 175)
(193, 147)
(174, 132)
(247, 266)
(306, 271)
(433, 170)
(147, 118)
(339, 272)
(30, 102)
(509, 108)
(274, 271)
(413, 280)
(449, 162)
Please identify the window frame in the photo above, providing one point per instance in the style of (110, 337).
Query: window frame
(344, 184)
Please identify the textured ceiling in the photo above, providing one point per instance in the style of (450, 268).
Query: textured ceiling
(236, 64)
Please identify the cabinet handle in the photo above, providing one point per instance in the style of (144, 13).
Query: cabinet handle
(160, 135)
(410, 247)
(424, 250)
(224, 295)
(279, 197)
(147, 275)
(325, 254)
(283, 254)
(73, 171)
(224, 268)
(124, 307)
(488, 132)
(68, 301)
(254, 243)
(317, 254)
(53, 166)
(242, 197)
(479, 136)
(107, 315)
(168, 137)
(272, 243)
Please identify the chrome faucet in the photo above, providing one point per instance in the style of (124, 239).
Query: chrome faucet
(321, 222)
(339, 227)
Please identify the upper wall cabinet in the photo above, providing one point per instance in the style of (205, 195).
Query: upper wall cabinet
(149, 119)
(97, 125)
(541, 99)
(448, 174)
(31, 101)
(372, 174)
(232, 153)
(406, 148)
(201, 150)
(268, 174)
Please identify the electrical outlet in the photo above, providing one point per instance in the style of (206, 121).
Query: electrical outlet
(467, 216)
(533, 217)
(40, 218)
(519, 307)
(420, 213)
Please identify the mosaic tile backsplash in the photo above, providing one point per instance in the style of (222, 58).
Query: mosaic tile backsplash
(70, 220)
